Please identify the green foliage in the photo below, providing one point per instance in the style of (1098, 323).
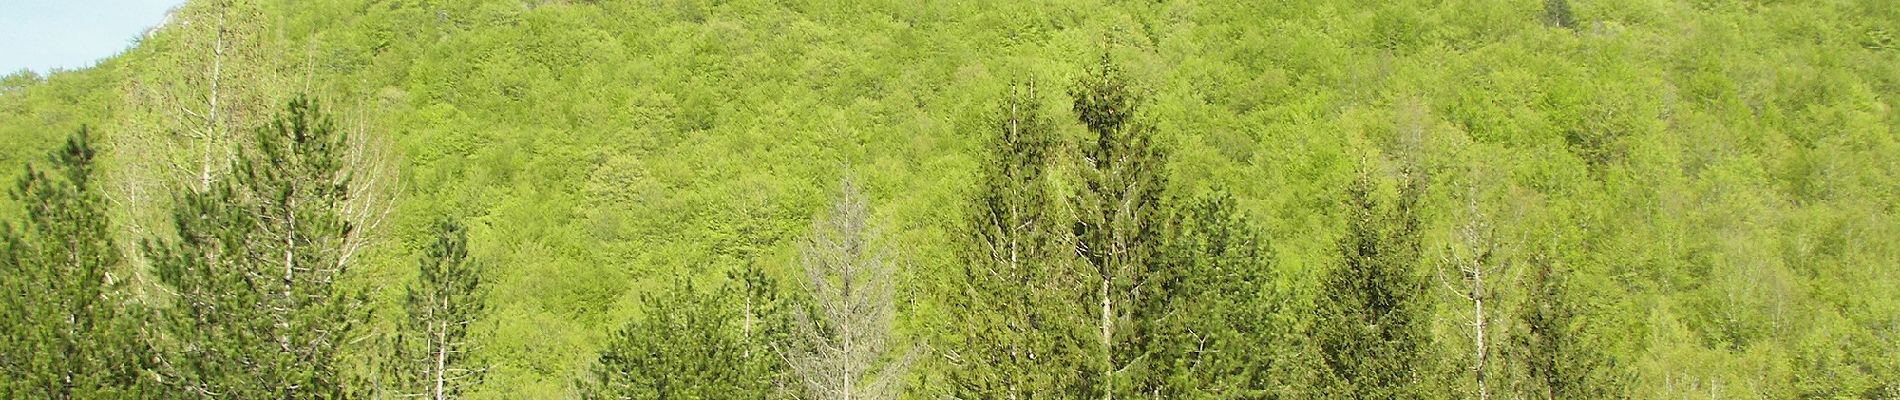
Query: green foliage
(1553, 348)
(431, 352)
(1225, 330)
(1557, 13)
(1713, 179)
(1372, 328)
(1119, 227)
(694, 344)
(66, 331)
(256, 311)
(1019, 334)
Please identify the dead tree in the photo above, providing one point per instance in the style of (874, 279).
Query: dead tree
(842, 346)
(1472, 258)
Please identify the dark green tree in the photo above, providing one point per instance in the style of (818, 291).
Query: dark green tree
(431, 353)
(1018, 334)
(1222, 332)
(1119, 227)
(256, 310)
(1372, 331)
(696, 344)
(65, 331)
(1555, 354)
(1557, 13)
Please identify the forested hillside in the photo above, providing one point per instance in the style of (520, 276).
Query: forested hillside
(1566, 199)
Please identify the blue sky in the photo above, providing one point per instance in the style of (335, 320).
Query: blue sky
(44, 34)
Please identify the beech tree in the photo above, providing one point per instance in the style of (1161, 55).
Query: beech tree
(252, 270)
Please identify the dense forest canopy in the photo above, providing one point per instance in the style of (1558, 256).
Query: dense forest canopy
(983, 199)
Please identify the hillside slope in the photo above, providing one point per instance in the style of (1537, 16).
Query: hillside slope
(1720, 178)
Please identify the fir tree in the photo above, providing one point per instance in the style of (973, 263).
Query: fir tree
(1551, 349)
(1223, 332)
(1119, 228)
(1018, 336)
(65, 330)
(1372, 331)
(253, 269)
(431, 354)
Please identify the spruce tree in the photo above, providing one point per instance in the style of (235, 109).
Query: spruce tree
(65, 331)
(695, 344)
(256, 310)
(430, 358)
(1119, 227)
(1372, 331)
(1551, 348)
(1223, 332)
(1018, 335)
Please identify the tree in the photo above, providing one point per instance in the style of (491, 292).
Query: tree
(1119, 225)
(1372, 328)
(256, 309)
(1018, 337)
(693, 344)
(842, 344)
(1557, 356)
(65, 331)
(1223, 332)
(1557, 13)
(430, 357)
(1473, 258)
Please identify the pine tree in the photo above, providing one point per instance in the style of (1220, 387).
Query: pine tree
(253, 268)
(694, 344)
(65, 332)
(430, 358)
(1018, 336)
(842, 345)
(1372, 331)
(1119, 227)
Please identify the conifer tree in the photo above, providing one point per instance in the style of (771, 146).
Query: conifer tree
(1223, 332)
(694, 344)
(65, 333)
(430, 358)
(842, 345)
(1119, 227)
(1017, 335)
(1559, 362)
(1372, 328)
(256, 310)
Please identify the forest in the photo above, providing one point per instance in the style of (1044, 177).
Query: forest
(1067, 199)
